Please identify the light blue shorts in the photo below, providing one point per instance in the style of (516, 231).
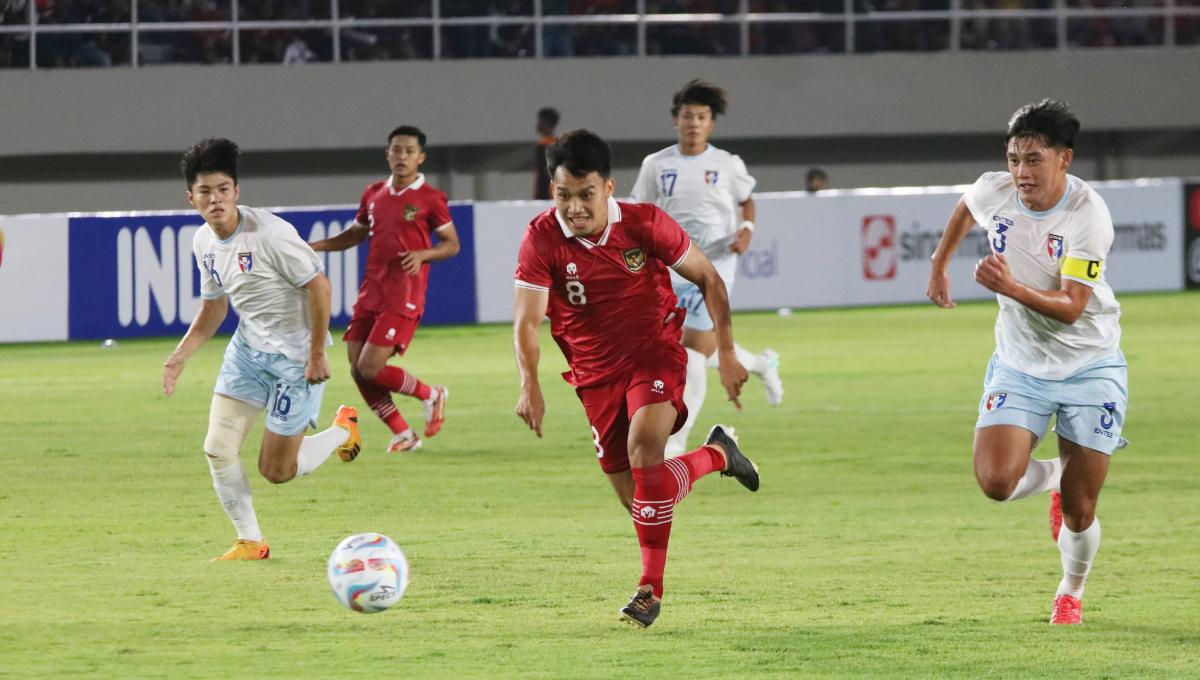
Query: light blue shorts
(693, 303)
(273, 381)
(1090, 405)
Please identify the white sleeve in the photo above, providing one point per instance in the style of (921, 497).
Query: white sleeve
(1086, 246)
(209, 288)
(645, 189)
(984, 194)
(743, 181)
(1091, 235)
(294, 259)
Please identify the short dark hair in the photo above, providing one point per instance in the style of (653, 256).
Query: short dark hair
(548, 115)
(814, 173)
(702, 93)
(1050, 121)
(408, 131)
(580, 152)
(215, 154)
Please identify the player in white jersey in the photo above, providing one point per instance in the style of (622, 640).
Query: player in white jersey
(277, 355)
(1057, 335)
(708, 191)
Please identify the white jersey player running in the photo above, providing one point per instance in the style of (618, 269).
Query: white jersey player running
(1057, 335)
(704, 189)
(277, 355)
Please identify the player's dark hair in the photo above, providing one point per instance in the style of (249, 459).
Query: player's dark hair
(581, 152)
(1050, 121)
(408, 131)
(548, 115)
(214, 154)
(815, 173)
(701, 93)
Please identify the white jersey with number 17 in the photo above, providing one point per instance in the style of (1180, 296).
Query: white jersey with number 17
(1069, 241)
(702, 194)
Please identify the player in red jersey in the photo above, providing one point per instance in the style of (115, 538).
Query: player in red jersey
(599, 268)
(400, 215)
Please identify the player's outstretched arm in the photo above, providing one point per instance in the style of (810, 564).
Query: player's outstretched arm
(447, 247)
(317, 368)
(1064, 305)
(208, 319)
(529, 310)
(699, 270)
(957, 228)
(355, 234)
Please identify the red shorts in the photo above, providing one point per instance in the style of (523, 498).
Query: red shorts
(382, 328)
(611, 405)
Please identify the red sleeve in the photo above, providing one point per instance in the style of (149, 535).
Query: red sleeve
(532, 269)
(361, 215)
(667, 240)
(439, 211)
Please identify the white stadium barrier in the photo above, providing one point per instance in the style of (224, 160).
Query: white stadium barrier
(117, 275)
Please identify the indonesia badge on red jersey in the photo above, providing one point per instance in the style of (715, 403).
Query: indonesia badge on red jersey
(635, 259)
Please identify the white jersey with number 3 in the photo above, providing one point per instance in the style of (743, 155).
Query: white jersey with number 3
(1069, 241)
(263, 268)
(702, 194)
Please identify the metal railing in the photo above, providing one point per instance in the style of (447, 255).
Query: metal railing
(851, 26)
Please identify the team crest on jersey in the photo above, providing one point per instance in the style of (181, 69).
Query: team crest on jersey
(410, 212)
(710, 177)
(1054, 246)
(658, 386)
(996, 400)
(635, 259)
(246, 261)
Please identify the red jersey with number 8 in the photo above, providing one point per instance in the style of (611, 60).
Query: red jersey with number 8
(610, 294)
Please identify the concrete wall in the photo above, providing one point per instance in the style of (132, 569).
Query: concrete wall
(313, 134)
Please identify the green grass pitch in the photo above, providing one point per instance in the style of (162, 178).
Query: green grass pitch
(869, 551)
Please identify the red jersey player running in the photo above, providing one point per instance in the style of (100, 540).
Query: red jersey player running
(400, 215)
(599, 268)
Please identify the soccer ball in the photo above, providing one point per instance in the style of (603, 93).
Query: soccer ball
(368, 572)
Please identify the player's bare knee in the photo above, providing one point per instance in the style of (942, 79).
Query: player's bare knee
(1078, 513)
(276, 474)
(995, 486)
(367, 370)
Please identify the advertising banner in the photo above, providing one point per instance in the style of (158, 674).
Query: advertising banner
(135, 275)
(502, 224)
(33, 278)
(1191, 220)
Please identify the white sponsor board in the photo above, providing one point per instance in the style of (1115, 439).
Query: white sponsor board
(33, 278)
(868, 246)
(499, 227)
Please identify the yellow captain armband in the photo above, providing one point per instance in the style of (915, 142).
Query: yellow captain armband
(1088, 270)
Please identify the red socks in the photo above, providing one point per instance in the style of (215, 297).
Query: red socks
(656, 490)
(380, 400)
(396, 379)
(378, 394)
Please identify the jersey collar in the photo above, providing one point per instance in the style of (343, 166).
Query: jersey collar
(614, 216)
(703, 154)
(420, 182)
